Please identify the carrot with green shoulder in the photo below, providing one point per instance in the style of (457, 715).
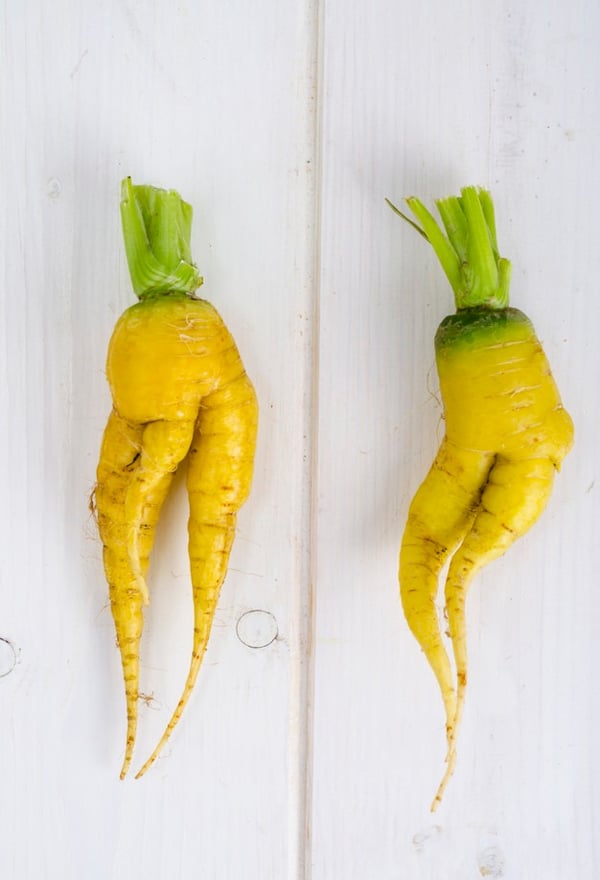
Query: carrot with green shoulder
(506, 435)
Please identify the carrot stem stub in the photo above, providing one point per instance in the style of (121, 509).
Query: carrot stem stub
(506, 434)
(180, 393)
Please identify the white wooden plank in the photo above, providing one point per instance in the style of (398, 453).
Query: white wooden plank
(219, 101)
(216, 101)
(422, 100)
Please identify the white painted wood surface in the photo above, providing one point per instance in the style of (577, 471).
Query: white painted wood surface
(286, 125)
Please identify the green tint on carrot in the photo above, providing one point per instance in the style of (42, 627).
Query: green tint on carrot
(506, 434)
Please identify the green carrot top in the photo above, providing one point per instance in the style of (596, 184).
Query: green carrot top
(468, 251)
(157, 225)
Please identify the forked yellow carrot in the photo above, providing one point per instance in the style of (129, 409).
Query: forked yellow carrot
(180, 392)
(506, 433)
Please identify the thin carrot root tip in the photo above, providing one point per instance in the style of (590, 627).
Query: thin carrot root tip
(144, 769)
(448, 773)
(506, 433)
(125, 767)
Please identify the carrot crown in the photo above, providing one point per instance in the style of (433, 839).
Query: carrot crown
(468, 251)
(157, 225)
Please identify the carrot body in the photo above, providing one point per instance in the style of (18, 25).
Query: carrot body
(506, 435)
(179, 392)
(497, 388)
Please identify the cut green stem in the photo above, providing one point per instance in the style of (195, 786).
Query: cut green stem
(157, 226)
(468, 250)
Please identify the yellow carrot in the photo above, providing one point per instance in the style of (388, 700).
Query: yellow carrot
(180, 392)
(506, 433)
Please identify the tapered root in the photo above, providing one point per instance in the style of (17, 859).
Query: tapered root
(205, 604)
(189, 686)
(514, 496)
(440, 515)
(450, 765)
(131, 735)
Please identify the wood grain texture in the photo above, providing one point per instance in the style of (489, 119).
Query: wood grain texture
(217, 102)
(422, 101)
(286, 125)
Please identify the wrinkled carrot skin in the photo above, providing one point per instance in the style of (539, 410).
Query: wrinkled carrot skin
(218, 482)
(441, 513)
(506, 434)
(120, 449)
(179, 390)
(497, 389)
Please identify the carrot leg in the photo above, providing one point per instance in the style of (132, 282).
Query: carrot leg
(119, 458)
(440, 515)
(164, 446)
(514, 496)
(209, 574)
(130, 486)
(218, 480)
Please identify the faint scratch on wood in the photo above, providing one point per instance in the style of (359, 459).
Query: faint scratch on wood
(422, 837)
(75, 70)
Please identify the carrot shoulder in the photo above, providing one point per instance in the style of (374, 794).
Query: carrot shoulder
(506, 433)
(170, 356)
